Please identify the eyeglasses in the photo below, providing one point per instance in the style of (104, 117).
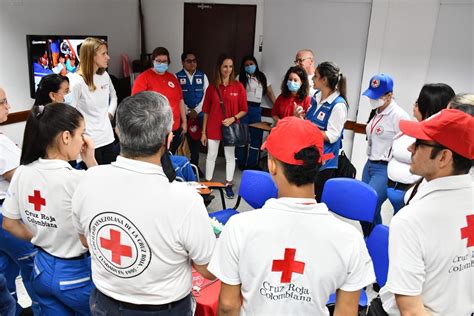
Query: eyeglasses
(191, 61)
(300, 60)
(4, 101)
(419, 143)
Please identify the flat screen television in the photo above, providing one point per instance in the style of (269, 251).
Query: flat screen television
(49, 54)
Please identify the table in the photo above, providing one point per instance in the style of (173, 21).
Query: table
(264, 126)
(207, 297)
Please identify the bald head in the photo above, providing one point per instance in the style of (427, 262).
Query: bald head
(305, 58)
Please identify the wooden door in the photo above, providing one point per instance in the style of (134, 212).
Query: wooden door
(212, 29)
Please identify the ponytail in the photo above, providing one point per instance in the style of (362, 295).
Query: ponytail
(342, 87)
(43, 125)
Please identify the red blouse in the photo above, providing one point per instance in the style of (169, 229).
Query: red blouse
(235, 100)
(284, 106)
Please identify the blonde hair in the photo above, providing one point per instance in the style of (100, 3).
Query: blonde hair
(89, 49)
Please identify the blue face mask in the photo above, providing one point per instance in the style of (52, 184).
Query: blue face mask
(68, 98)
(293, 86)
(160, 67)
(250, 69)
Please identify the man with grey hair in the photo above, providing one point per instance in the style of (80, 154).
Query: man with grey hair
(144, 232)
(305, 59)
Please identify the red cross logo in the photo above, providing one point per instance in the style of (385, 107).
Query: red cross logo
(113, 244)
(468, 231)
(36, 200)
(288, 265)
(375, 83)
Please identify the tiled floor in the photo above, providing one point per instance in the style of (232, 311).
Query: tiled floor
(219, 175)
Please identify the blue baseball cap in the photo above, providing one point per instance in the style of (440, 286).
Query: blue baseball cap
(379, 85)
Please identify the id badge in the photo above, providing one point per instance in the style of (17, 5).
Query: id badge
(259, 92)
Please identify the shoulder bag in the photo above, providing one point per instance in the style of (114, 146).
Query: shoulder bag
(235, 134)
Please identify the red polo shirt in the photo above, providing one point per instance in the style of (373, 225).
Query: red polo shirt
(284, 106)
(167, 85)
(235, 100)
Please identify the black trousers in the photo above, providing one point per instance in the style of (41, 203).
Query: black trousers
(321, 179)
(106, 154)
(177, 139)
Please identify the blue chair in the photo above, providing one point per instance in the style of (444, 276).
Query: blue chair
(350, 198)
(377, 244)
(256, 187)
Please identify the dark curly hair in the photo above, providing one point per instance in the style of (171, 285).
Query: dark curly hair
(304, 89)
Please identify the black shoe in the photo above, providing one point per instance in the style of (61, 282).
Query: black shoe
(229, 193)
(26, 312)
(208, 199)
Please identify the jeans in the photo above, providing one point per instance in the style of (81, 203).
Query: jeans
(17, 256)
(247, 156)
(63, 286)
(102, 305)
(375, 175)
(7, 303)
(397, 198)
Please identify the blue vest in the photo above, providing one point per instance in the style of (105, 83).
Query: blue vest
(320, 117)
(193, 92)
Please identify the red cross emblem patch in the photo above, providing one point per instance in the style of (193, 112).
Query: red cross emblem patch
(118, 245)
(288, 265)
(375, 83)
(37, 200)
(468, 231)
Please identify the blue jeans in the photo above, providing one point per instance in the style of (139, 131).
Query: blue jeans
(375, 175)
(247, 156)
(7, 303)
(102, 305)
(63, 286)
(17, 256)
(397, 198)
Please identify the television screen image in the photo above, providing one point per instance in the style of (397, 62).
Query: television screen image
(49, 54)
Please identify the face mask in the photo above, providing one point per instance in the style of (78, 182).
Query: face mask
(375, 104)
(250, 69)
(68, 98)
(167, 166)
(293, 86)
(160, 67)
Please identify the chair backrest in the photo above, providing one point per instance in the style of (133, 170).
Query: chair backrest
(256, 187)
(350, 198)
(377, 244)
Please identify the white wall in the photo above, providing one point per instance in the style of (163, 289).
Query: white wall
(335, 31)
(417, 42)
(118, 19)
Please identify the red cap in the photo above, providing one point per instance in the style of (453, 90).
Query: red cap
(290, 136)
(451, 128)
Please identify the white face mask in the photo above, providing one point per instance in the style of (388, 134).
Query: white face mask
(375, 104)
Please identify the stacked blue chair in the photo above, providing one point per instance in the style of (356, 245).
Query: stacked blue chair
(352, 199)
(377, 244)
(256, 187)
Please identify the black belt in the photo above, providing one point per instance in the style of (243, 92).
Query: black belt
(398, 185)
(380, 162)
(144, 308)
(253, 104)
(80, 257)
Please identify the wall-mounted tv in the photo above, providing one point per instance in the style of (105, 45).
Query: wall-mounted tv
(49, 54)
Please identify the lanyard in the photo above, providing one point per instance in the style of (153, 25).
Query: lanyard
(374, 124)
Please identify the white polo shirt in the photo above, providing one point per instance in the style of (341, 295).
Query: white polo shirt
(9, 160)
(381, 130)
(95, 106)
(431, 248)
(142, 231)
(399, 165)
(254, 89)
(40, 194)
(289, 257)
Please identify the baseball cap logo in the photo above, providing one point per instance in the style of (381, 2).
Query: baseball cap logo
(375, 83)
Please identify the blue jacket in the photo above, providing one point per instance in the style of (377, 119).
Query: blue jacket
(193, 92)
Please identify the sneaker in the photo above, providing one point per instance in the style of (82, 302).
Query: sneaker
(229, 193)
